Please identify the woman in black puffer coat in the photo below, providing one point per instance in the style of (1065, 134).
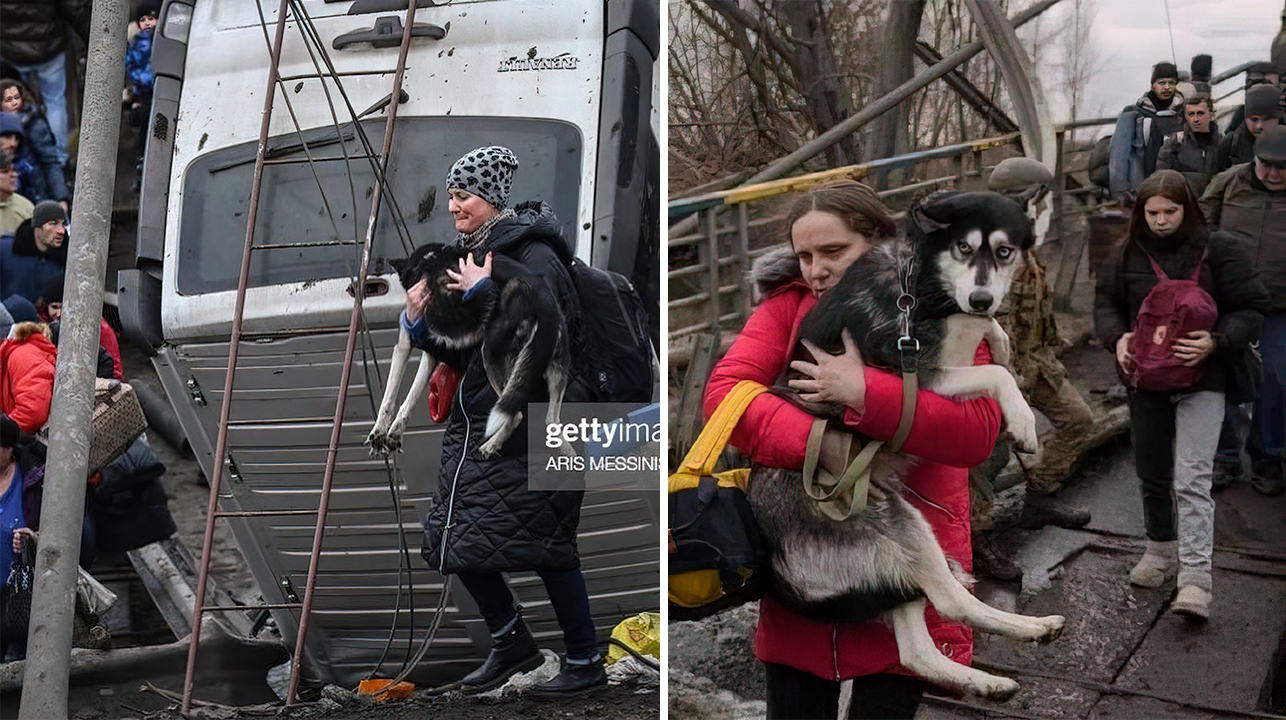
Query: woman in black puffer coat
(485, 520)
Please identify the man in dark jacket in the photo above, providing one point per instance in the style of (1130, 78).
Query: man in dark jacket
(36, 252)
(1191, 151)
(1262, 111)
(486, 519)
(1142, 128)
(13, 140)
(33, 38)
(1250, 201)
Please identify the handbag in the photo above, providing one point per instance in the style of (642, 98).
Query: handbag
(117, 421)
(15, 597)
(715, 550)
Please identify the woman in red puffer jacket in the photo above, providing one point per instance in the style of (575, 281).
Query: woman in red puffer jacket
(830, 227)
(27, 375)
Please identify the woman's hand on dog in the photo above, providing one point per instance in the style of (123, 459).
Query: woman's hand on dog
(417, 297)
(1194, 347)
(832, 378)
(469, 274)
(1123, 356)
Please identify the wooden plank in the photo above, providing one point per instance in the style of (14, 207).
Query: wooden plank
(689, 407)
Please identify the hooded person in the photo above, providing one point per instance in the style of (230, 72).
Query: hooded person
(488, 519)
(26, 370)
(1142, 128)
(42, 148)
(36, 252)
(1262, 110)
(13, 140)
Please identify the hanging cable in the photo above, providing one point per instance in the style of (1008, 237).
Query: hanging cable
(1174, 56)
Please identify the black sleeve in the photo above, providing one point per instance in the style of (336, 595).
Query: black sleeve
(1239, 292)
(106, 369)
(1111, 308)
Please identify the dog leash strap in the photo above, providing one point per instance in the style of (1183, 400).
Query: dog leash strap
(910, 389)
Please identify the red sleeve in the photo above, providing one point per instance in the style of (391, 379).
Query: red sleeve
(33, 388)
(772, 431)
(960, 434)
(107, 338)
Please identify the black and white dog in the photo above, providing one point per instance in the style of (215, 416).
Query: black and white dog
(519, 326)
(965, 249)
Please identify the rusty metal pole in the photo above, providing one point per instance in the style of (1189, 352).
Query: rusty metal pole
(44, 686)
(234, 347)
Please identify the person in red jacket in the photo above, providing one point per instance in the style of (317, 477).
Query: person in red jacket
(27, 375)
(805, 659)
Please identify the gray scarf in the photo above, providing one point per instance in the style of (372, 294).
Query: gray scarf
(474, 240)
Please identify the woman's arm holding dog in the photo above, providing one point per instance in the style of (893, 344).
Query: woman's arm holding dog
(959, 434)
(772, 431)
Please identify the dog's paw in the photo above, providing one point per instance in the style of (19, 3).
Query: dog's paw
(375, 441)
(490, 448)
(393, 438)
(1053, 628)
(994, 687)
(1022, 428)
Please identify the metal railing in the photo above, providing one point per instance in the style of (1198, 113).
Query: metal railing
(721, 253)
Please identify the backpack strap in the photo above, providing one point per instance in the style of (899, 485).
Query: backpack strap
(705, 452)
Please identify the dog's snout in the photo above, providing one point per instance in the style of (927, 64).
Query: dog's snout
(980, 300)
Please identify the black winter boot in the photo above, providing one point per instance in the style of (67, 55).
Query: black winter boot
(572, 681)
(989, 561)
(511, 653)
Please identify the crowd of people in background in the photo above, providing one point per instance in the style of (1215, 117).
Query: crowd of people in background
(126, 505)
(1209, 206)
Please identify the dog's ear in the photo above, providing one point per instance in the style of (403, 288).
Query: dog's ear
(935, 212)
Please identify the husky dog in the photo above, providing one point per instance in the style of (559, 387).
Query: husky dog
(964, 249)
(521, 330)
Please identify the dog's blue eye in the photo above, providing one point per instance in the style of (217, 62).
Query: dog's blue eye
(964, 248)
(1004, 253)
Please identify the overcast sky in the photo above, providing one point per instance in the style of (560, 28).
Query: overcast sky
(1129, 36)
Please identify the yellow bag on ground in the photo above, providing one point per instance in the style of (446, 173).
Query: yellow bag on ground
(642, 633)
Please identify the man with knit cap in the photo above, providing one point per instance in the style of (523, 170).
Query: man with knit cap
(1249, 200)
(36, 252)
(1142, 128)
(486, 518)
(1262, 111)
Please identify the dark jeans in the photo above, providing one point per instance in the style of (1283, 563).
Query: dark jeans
(567, 594)
(1269, 424)
(1233, 434)
(798, 695)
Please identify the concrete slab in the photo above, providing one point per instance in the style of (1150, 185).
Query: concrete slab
(1106, 621)
(1224, 663)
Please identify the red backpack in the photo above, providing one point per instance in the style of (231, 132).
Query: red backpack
(1172, 309)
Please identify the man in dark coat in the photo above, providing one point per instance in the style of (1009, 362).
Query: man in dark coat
(36, 252)
(486, 519)
(1249, 201)
(1262, 111)
(1142, 127)
(33, 38)
(1191, 151)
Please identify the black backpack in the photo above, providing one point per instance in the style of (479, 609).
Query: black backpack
(617, 359)
(1100, 162)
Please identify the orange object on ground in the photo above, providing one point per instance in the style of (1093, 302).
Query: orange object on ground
(383, 692)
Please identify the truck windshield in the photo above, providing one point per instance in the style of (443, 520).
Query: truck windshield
(216, 196)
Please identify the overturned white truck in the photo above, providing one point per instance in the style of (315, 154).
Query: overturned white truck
(569, 85)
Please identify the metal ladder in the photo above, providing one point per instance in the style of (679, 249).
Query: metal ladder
(380, 163)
